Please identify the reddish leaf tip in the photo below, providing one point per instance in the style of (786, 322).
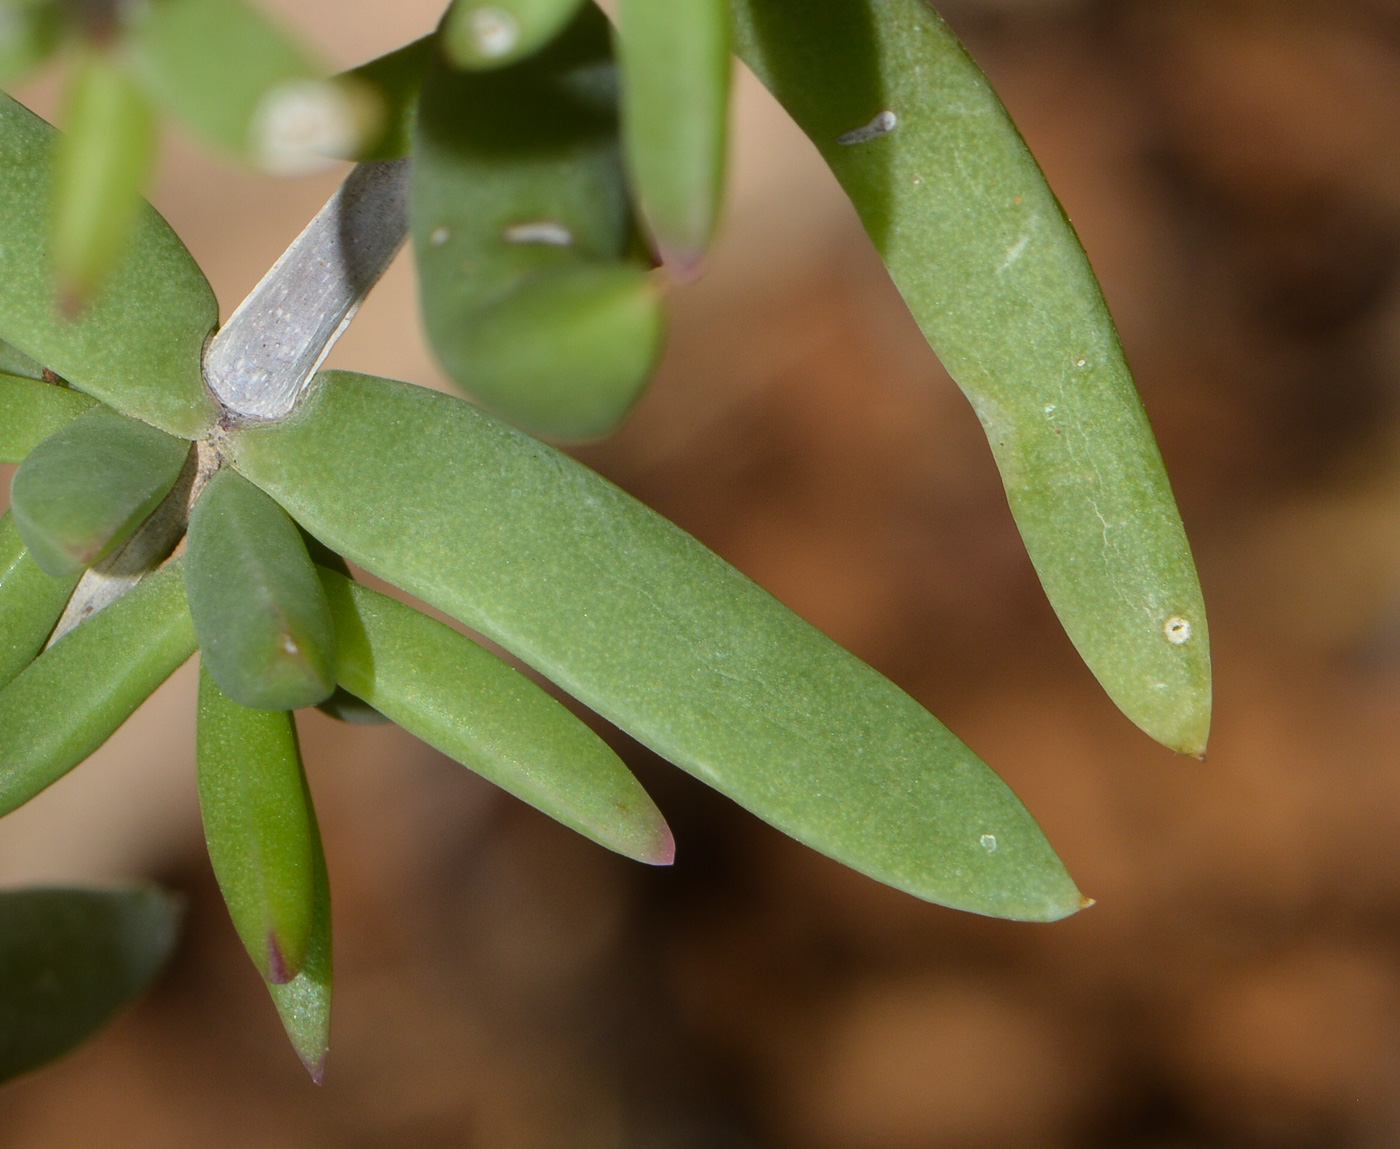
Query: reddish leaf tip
(277, 971)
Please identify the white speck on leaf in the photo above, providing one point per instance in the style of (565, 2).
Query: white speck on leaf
(1081, 362)
(440, 236)
(1177, 630)
(882, 124)
(1049, 408)
(1014, 252)
(302, 126)
(494, 31)
(545, 231)
(988, 843)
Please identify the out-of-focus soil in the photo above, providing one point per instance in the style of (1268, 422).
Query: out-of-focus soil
(1234, 169)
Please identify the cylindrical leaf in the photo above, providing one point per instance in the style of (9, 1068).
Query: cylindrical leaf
(137, 346)
(69, 959)
(997, 280)
(82, 491)
(258, 827)
(100, 167)
(466, 702)
(635, 618)
(304, 1003)
(70, 699)
(30, 602)
(31, 411)
(240, 82)
(494, 33)
(265, 630)
(675, 115)
(533, 297)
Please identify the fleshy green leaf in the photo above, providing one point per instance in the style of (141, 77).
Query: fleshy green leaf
(31, 411)
(500, 32)
(394, 81)
(30, 602)
(304, 1003)
(258, 827)
(137, 346)
(265, 630)
(101, 164)
(466, 702)
(70, 699)
(30, 30)
(675, 113)
(80, 493)
(69, 959)
(657, 634)
(233, 76)
(532, 297)
(991, 269)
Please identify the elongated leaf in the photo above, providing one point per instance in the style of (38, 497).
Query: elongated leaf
(30, 30)
(31, 411)
(500, 32)
(69, 959)
(523, 234)
(30, 602)
(304, 1003)
(1000, 285)
(71, 698)
(101, 165)
(635, 618)
(394, 80)
(675, 115)
(234, 77)
(466, 702)
(258, 827)
(82, 491)
(137, 347)
(265, 630)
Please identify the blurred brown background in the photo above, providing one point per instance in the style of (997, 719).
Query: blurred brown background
(1234, 169)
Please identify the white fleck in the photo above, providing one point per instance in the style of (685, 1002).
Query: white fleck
(1177, 630)
(1049, 408)
(1080, 362)
(440, 236)
(494, 31)
(302, 126)
(918, 179)
(989, 843)
(882, 124)
(1014, 252)
(540, 231)
(289, 644)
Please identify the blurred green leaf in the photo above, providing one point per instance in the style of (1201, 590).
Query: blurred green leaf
(635, 618)
(137, 346)
(30, 602)
(394, 80)
(101, 164)
(258, 827)
(31, 411)
(523, 233)
(466, 702)
(265, 630)
(993, 272)
(80, 493)
(675, 115)
(491, 35)
(69, 959)
(30, 31)
(304, 1003)
(239, 81)
(70, 699)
